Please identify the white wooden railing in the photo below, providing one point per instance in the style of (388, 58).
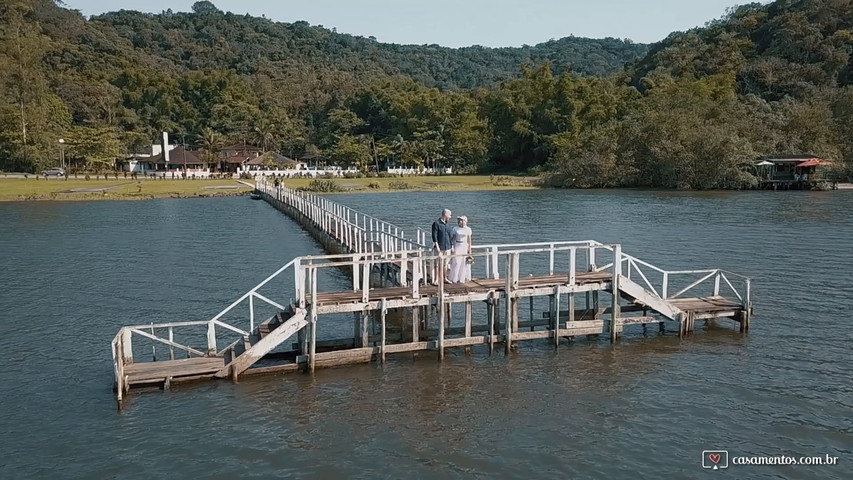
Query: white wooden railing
(356, 231)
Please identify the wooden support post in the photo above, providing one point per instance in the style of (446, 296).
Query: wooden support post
(555, 316)
(117, 353)
(596, 313)
(313, 347)
(497, 314)
(468, 310)
(515, 307)
(511, 262)
(356, 330)
(571, 306)
(440, 304)
(617, 273)
(382, 345)
(490, 312)
(416, 323)
(531, 314)
(365, 333)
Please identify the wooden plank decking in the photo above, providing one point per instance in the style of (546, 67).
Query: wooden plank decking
(157, 372)
(475, 286)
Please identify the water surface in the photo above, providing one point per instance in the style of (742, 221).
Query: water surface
(74, 273)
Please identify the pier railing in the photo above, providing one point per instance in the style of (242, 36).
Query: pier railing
(673, 284)
(297, 285)
(590, 255)
(356, 231)
(413, 268)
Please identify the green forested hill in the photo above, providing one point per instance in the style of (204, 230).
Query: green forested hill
(210, 39)
(692, 111)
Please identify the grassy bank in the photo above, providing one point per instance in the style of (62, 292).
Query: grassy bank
(17, 189)
(415, 183)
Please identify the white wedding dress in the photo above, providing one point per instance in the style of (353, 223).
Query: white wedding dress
(460, 271)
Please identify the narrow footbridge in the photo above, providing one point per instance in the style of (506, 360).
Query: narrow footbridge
(395, 300)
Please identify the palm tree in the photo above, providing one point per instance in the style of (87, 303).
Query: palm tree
(211, 142)
(263, 133)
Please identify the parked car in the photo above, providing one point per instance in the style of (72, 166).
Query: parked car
(54, 172)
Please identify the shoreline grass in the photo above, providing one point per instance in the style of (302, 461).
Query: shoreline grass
(441, 183)
(30, 189)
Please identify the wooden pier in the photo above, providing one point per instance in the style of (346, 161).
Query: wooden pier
(398, 302)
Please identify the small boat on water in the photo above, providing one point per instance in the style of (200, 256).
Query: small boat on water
(256, 196)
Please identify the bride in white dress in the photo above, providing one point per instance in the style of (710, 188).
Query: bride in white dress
(460, 270)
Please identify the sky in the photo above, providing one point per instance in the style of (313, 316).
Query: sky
(462, 23)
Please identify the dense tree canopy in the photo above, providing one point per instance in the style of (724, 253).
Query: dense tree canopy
(692, 111)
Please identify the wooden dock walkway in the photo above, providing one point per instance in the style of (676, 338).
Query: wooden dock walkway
(399, 302)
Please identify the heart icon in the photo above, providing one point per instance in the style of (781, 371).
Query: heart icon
(714, 457)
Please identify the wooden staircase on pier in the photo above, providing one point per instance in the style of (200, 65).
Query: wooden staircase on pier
(266, 337)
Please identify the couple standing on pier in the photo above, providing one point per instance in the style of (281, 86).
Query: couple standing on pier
(456, 241)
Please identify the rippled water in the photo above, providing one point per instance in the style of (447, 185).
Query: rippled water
(73, 273)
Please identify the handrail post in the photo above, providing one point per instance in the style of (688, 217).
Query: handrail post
(551, 259)
(664, 286)
(365, 280)
(211, 339)
(572, 266)
(495, 274)
(416, 278)
(717, 284)
(748, 295)
(126, 346)
(299, 273)
(251, 313)
(590, 261)
(404, 270)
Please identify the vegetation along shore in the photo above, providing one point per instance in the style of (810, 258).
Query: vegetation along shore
(699, 109)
